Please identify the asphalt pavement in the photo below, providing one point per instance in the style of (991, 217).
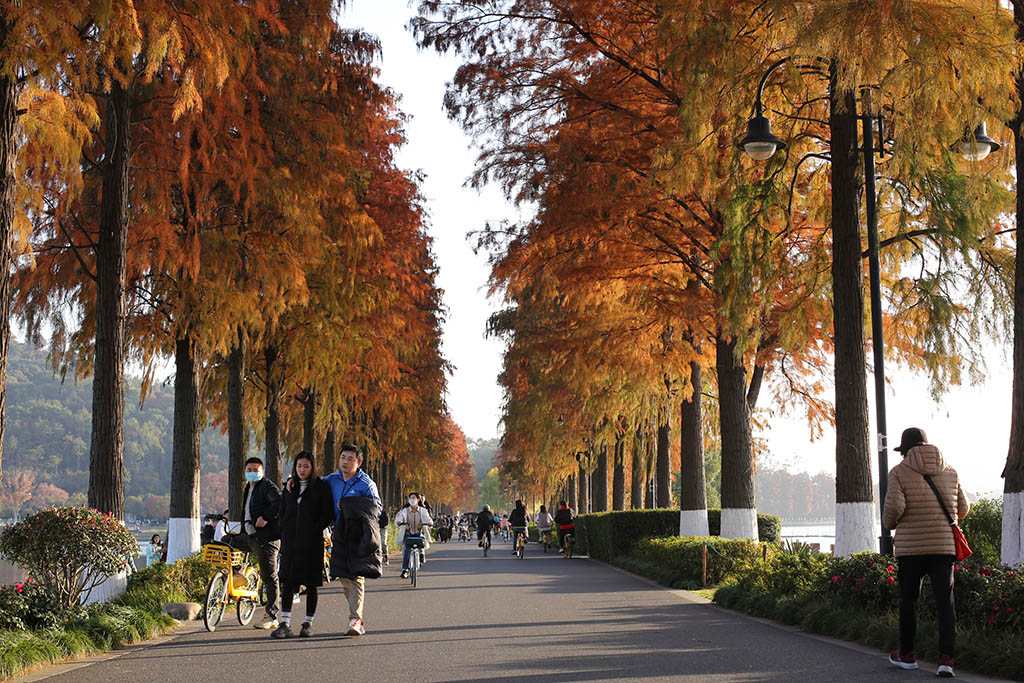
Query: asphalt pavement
(541, 619)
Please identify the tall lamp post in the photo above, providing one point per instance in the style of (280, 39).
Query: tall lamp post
(761, 144)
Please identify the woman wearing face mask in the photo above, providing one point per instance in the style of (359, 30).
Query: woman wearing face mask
(306, 510)
(412, 521)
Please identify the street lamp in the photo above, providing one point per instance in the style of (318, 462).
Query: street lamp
(977, 145)
(761, 144)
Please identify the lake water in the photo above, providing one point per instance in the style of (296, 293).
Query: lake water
(822, 534)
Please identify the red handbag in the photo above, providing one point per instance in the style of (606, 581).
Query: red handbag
(963, 550)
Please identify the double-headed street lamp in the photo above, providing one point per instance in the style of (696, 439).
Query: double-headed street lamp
(761, 144)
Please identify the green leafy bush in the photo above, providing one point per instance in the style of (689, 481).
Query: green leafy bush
(183, 581)
(983, 527)
(607, 535)
(70, 550)
(679, 561)
(30, 605)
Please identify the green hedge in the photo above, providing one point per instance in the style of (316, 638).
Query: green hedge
(679, 561)
(607, 535)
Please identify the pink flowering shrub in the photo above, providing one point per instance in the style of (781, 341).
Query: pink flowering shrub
(69, 550)
(28, 605)
(986, 595)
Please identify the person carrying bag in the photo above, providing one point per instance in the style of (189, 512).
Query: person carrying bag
(922, 491)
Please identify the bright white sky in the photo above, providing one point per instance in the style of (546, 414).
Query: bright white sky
(971, 425)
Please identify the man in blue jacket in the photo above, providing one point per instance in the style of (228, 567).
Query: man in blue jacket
(350, 481)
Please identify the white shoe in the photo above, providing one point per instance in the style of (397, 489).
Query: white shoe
(266, 624)
(356, 627)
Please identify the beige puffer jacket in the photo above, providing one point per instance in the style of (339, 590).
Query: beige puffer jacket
(912, 509)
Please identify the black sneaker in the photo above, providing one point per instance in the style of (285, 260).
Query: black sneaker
(404, 574)
(281, 631)
(307, 630)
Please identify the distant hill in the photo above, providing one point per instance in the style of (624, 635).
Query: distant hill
(49, 426)
(481, 452)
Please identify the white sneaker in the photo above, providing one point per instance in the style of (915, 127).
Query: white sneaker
(356, 627)
(266, 624)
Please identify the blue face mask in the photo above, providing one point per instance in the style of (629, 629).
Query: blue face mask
(253, 477)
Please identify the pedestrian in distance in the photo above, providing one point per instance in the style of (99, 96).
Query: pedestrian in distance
(261, 534)
(382, 523)
(923, 489)
(306, 510)
(412, 520)
(154, 550)
(355, 543)
(221, 527)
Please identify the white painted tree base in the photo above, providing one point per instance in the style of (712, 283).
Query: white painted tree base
(1012, 552)
(693, 522)
(183, 538)
(857, 528)
(108, 590)
(739, 523)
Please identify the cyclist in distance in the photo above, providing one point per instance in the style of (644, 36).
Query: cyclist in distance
(517, 520)
(544, 520)
(564, 519)
(484, 522)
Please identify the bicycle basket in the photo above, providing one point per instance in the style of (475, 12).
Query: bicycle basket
(222, 556)
(414, 541)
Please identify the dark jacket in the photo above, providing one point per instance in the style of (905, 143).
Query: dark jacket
(303, 521)
(383, 521)
(563, 518)
(517, 517)
(356, 540)
(266, 503)
(485, 519)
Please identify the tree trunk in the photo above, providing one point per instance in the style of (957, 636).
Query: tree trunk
(238, 433)
(739, 517)
(600, 502)
(583, 489)
(8, 183)
(663, 471)
(329, 455)
(619, 475)
(649, 455)
(308, 402)
(693, 499)
(184, 524)
(1012, 550)
(636, 484)
(855, 512)
(106, 456)
(272, 420)
(570, 493)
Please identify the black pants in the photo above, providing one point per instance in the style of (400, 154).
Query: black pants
(481, 532)
(288, 591)
(911, 573)
(266, 557)
(562, 533)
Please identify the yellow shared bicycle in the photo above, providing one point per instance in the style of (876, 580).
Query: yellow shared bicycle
(234, 581)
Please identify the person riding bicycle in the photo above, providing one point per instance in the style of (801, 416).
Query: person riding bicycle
(564, 519)
(412, 521)
(544, 520)
(517, 520)
(484, 522)
(503, 525)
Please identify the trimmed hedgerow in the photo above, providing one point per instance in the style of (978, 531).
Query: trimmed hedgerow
(608, 535)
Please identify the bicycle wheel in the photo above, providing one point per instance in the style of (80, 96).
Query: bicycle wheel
(215, 601)
(568, 548)
(247, 606)
(414, 565)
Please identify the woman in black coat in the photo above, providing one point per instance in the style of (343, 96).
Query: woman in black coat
(306, 510)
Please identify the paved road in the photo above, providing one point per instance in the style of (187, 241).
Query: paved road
(537, 620)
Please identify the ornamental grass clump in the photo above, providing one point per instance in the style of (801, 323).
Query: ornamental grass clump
(69, 550)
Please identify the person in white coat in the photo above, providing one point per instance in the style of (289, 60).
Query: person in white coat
(412, 521)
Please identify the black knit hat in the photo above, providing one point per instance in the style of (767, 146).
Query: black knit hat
(914, 436)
